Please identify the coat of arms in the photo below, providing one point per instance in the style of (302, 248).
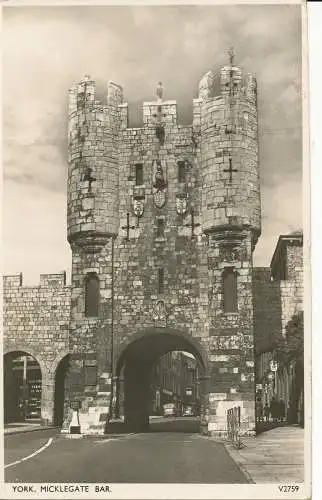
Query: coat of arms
(181, 203)
(138, 205)
(160, 314)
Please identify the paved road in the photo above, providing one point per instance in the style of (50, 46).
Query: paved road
(175, 424)
(18, 446)
(159, 457)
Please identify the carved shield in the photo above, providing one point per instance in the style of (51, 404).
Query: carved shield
(159, 198)
(160, 314)
(181, 204)
(138, 206)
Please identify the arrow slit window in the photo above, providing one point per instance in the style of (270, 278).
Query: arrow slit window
(160, 228)
(181, 171)
(229, 278)
(139, 174)
(161, 280)
(92, 295)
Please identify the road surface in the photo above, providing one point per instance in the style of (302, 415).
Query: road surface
(153, 457)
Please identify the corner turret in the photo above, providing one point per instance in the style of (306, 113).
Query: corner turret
(92, 174)
(229, 153)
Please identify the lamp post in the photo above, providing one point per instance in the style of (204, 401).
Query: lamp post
(274, 367)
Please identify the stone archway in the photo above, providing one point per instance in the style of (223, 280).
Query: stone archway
(22, 386)
(60, 390)
(136, 360)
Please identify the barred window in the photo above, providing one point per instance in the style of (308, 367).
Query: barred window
(92, 295)
(230, 290)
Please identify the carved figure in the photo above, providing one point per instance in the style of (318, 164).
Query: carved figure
(159, 184)
(159, 180)
(159, 91)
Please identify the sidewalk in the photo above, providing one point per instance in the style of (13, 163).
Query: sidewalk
(275, 456)
(19, 427)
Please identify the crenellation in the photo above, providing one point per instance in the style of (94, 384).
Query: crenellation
(57, 280)
(13, 280)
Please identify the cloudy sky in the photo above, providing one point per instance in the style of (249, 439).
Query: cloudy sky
(47, 49)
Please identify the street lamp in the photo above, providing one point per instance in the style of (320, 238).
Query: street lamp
(274, 367)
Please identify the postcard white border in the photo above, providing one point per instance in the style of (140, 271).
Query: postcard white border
(312, 183)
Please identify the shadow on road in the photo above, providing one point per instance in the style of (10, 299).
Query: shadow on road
(188, 424)
(160, 424)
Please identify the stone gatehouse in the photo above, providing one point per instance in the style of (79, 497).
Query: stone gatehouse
(162, 222)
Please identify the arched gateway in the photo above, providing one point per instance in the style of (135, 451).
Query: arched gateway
(135, 363)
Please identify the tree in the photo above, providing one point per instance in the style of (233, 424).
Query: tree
(290, 352)
(291, 347)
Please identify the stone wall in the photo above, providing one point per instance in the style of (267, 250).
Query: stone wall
(294, 251)
(36, 321)
(276, 300)
(210, 220)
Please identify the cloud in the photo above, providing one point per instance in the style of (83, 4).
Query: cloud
(46, 50)
(34, 231)
(282, 213)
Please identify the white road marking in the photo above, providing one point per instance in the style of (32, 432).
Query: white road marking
(120, 438)
(50, 440)
(103, 441)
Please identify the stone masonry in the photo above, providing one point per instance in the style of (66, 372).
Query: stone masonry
(159, 214)
(210, 219)
(36, 321)
(278, 297)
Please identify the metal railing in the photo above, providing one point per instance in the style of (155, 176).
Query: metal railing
(233, 426)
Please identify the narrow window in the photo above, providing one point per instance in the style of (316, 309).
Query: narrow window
(230, 290)
(139, 174)
(161, 280)
(92, 295)
(160, 228)
(90, 375)
(181, 171)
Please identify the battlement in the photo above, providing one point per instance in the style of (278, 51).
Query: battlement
(13, 280)
(46, 280)
(83, 95)
(230, 81)
(287, 259)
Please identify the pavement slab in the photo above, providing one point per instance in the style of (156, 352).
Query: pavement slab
(273, 456)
